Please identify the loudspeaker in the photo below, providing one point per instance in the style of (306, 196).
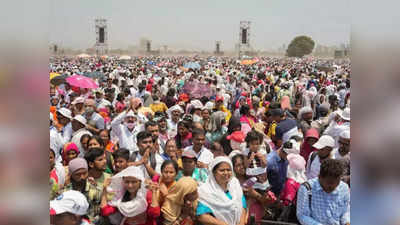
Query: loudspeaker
(101, 35)
(244, 36)
(148, 46)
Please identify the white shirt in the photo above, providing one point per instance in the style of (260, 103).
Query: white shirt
(312, 171)
(127, 139)
(204, 156)
(56, 143)
(159, 158)
(99, 120)
(172, 128)
(142, 167)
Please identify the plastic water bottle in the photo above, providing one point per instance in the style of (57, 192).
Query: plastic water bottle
(252, 219)
(250, 182)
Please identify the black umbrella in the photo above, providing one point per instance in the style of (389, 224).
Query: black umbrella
(58, 80)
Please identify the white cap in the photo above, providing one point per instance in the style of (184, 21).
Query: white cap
(324, 141)
(256, 171)
(197, 104)
(345, 114)
(78, 100)
(209, 105)
(65, 112)
(345, 134)
(70, 201)
(81, 119)
(131, 113)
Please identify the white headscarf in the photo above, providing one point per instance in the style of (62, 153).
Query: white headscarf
(135, 206)
(296, 169)
(174, 108)
(213, 196)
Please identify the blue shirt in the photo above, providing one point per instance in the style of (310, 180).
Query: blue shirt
(276, 172)
(199, 175)
(326, 208)
(203, 209)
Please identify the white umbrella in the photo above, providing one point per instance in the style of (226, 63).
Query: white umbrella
(83, 55)
(125, 57)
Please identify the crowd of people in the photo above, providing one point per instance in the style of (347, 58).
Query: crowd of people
(194, 140)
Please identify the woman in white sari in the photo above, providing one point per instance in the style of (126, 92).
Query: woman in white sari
(221, 200)
(131, 203)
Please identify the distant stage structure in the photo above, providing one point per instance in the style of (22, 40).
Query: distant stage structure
(244, 47)
(218, 48)
(101, 46)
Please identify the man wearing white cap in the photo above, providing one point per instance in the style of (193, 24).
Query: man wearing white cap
(125, 127)
(59, 137)
(69, 208)
(79, 128)
(174, 114)
(325, 145)
(342, 153)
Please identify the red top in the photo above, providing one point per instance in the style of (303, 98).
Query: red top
(288, 194)
(152, 212)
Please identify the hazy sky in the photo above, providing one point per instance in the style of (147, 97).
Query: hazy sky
(198, 24)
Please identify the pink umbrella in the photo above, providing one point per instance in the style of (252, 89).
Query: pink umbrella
(81, 81)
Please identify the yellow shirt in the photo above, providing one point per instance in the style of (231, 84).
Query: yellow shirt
(159, 107)
(271, 129)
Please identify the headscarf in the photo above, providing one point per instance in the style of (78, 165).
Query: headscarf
(297, 168)
(133, 207)
(306, 149)
(215, 121)
(70, 146)
(172, 206)
(213, 196)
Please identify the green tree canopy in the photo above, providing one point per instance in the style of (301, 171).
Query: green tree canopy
(300, 46)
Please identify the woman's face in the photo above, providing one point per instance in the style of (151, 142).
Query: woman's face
(71, 155)
(84, 143)
(223, 173)
(93, 143)
(170, 148)
(239, 167)
(254, 145)
(205, 114)
(104, 136)
(182, 130)
(168, 173)
(131, 184)
(52, 160)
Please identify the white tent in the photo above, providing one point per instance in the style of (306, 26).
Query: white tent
(125, 57)
(83, 55)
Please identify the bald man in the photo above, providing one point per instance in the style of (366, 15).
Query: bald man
(95, 121)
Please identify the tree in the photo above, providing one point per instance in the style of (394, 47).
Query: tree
(300, 46)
